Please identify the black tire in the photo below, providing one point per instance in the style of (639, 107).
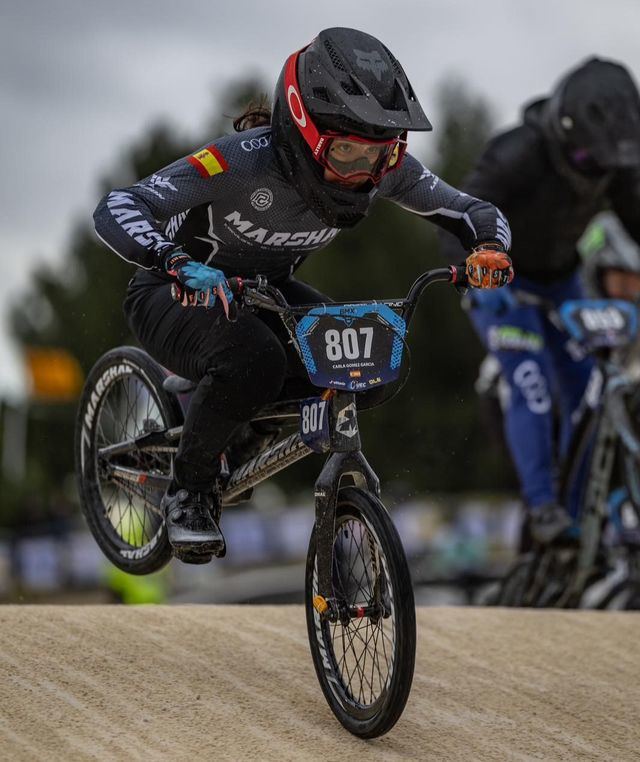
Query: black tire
(515, 585)
(540, 579)
(361, 513)
(122, 398)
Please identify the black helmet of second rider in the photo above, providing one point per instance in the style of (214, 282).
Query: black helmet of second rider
(594, 113)
(341, 112)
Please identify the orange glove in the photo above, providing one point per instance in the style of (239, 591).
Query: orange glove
(488, 267)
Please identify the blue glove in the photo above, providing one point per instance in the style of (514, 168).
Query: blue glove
(493, 300)
(203, 283)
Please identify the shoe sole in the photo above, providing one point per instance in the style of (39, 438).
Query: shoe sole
(199, 548)
(192, 558)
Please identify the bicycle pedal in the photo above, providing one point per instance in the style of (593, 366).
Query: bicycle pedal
(191, 557)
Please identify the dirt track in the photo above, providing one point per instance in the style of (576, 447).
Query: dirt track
(237, 683)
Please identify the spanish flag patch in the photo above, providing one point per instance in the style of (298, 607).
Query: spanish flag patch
(208, 162)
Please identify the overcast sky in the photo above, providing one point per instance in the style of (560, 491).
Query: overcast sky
(79, 79)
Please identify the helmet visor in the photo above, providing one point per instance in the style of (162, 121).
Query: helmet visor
(351, 157)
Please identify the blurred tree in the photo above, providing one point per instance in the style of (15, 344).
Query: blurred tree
(234, 99)
(465, 124)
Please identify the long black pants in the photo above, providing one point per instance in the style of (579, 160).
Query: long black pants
(239, 367)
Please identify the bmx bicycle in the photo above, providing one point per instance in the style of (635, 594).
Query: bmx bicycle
(606, 433)
(359, 601)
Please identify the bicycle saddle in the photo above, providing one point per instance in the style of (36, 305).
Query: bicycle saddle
(178, 385)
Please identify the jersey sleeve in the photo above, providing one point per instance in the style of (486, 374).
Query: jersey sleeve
(417, 189)
(130, 220)
(510, 165)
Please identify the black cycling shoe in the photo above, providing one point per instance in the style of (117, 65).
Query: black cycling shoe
(548, 522)
(191, 526)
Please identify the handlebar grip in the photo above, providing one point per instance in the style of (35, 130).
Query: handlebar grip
(459, 276)
(236, 285)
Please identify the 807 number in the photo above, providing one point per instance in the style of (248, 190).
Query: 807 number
(312, 416)
(346, 343)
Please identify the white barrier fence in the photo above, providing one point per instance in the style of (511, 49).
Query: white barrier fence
(443, 537)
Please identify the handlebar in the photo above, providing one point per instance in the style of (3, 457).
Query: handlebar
(257, 292)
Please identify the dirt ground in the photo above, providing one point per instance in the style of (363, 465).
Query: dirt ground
(237, 683)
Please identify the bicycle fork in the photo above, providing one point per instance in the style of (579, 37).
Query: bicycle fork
(346, 459)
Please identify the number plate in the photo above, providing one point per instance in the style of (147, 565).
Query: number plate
(314, 423)
(354, 347)
(596, 323)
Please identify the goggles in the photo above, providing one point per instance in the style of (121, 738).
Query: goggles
(350, 157)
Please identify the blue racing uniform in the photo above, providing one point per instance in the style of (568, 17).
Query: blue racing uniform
(541, 378)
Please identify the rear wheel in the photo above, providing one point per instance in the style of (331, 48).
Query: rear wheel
(540, 579)
(122, 399)
(515, 585)
(364, 653)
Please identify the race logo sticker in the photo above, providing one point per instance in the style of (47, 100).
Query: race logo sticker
(208, 162)
(347, 423)
(123, 208)
(314, 423)
(250, 232)
(528, 377)
(515, 339)
(261, 199)
(371, 62)
(155, 183)
(255, 144)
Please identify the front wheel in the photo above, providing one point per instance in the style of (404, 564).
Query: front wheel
(364, 653)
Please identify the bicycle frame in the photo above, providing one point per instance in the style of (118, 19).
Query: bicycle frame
(345, 457)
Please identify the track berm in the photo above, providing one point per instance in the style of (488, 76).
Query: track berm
(237, 683)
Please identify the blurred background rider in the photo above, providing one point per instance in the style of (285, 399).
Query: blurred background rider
(611, 259)
(575, 153)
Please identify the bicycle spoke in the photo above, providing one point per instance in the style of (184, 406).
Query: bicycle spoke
(128, 410)
(362, 648)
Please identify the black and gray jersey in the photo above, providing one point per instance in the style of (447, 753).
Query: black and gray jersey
(230, 206)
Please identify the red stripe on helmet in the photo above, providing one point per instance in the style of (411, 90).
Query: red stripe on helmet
(298, 112)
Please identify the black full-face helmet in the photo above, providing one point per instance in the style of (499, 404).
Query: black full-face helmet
(594, 113)
(342, 103)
